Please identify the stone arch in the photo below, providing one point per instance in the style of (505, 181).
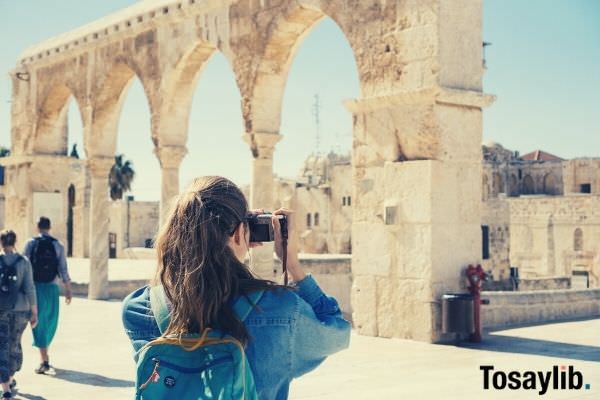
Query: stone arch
(550, 184)
(498, 183)
(528, 185)
(101, 138)
(51, 130)
(485, 192)
(578, 240)
(262, 109)
(178, 90)
(513, 186)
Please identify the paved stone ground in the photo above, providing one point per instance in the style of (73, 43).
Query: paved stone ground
(93, 361)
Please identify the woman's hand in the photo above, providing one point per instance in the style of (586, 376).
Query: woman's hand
(33, 319)
(293, 265)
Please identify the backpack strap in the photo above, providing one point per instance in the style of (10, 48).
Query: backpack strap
(158, 304)
(3, 263)
(242, 307)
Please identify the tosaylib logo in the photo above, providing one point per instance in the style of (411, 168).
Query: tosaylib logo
(559, 378)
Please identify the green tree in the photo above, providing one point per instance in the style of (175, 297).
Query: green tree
(120, 177)
(4, 151)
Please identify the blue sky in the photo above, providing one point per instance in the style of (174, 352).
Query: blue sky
(544, 66)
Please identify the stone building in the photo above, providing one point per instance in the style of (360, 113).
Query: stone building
(417, 126)
(64, 198)
(541, 213)
(321, 197)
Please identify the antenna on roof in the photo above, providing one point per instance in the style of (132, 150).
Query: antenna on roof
(316, 113)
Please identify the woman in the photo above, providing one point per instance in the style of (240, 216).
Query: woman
(13, 321)
(201, 251)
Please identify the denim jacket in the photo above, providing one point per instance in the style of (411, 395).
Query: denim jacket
(292, 333)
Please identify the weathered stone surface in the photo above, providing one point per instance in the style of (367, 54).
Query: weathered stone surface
(419, 66)
(99, 227)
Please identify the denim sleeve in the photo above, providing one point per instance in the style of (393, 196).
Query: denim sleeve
(319, 329)
(138, 320)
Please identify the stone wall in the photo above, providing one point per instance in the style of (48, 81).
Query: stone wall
(495, 214)
(556, 236)
(520, 308)
(133, 222)
(334, 275)
(549, 283)
(582, 171)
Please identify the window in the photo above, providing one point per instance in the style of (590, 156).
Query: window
(528, 185)
(578, 240)
(343, 200)
(349, 202)
(485, 236)
(316, 219)
(585, 188)
(308, 220)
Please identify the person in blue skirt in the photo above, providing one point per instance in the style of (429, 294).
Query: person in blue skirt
(49, 264)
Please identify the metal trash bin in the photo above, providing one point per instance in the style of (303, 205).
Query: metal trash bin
(457, 313)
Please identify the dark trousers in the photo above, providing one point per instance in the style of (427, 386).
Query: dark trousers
(12, 325)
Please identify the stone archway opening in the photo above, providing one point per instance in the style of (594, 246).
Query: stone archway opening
(213, 137)
(59, 122)
(316, 130)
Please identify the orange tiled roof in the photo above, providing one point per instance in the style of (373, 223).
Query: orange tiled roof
(540, 155)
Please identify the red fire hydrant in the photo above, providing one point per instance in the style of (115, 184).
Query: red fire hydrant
(476, 275)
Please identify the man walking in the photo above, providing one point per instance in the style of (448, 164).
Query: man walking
(47, 256)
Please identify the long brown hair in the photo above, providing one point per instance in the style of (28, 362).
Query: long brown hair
(198, 270)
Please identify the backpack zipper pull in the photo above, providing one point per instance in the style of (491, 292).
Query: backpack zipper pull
(154, 377)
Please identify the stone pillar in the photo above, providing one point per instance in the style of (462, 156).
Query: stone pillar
(99, 168)
(262, 146)
(18, 197)
(170, 158)
(416, 207)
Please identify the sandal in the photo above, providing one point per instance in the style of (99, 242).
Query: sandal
(7, 395)
(43, 368)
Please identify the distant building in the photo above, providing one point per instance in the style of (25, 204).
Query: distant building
(540, 212)
(322, 197)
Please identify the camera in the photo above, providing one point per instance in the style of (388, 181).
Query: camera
(261, 227)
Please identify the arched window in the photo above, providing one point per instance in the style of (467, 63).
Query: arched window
(514, 186)
(528, 185)
(485, 189)
(498, 183)
(308, 220)
(550, 186)
(578, 240)
(316, 219)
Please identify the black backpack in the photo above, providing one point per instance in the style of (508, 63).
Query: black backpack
(44, 260)
(9, 291)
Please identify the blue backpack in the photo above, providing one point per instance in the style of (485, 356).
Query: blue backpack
(194, 367)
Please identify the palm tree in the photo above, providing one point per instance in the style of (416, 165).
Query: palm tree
(120, 177)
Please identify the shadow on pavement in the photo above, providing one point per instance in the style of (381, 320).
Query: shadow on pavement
(28, 396)
(87, 378)
(514, 344)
